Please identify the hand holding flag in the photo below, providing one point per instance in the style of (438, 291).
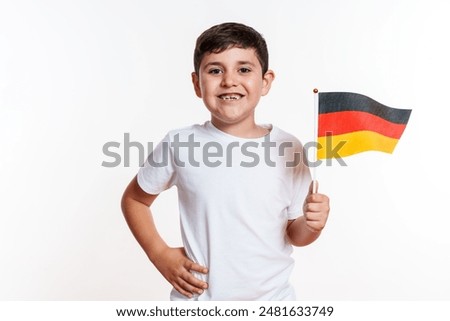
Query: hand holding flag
(316, 208)
(351, 123)
(306, 229)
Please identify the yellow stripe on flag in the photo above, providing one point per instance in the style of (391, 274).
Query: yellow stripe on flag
(355, 142)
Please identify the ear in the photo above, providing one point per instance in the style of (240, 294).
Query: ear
(196, 83)
(268, 77)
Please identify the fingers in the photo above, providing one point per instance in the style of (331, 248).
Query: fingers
(191, 279)
(186, 283)
(179, 270)
(316, 198)
(316, 219)
(191, 284)
(315, 226)
(181, 289)
(197, 267)
(316, 209)
(316, 204)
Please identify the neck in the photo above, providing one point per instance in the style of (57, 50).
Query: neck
(243, 130)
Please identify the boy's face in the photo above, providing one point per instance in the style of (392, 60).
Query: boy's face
(231, 84)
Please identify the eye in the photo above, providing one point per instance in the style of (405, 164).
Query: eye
(244, 70)
(214, 71)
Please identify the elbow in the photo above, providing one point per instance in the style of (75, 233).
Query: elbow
(124, 203)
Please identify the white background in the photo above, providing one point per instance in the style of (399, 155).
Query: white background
(75, 75)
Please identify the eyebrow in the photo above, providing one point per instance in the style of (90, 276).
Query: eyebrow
(217, 63)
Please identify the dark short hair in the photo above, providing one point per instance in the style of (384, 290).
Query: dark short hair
(228, 35)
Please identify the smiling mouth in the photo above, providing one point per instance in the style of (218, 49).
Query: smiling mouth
(231, 96)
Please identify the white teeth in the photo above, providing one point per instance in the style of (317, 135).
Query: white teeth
(230, 97)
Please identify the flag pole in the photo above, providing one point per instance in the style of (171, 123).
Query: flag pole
(314, 156)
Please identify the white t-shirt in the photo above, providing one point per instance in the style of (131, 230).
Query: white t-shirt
(235, 198)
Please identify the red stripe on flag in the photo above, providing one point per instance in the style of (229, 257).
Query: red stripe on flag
(350, 121)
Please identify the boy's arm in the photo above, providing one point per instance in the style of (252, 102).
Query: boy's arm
(307, 228)
(173, 263)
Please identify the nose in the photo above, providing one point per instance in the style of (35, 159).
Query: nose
(229, 79)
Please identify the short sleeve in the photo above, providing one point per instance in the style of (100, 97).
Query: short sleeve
(301, 182)
(158, 172)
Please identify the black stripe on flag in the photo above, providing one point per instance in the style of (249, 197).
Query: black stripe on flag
(330, 102)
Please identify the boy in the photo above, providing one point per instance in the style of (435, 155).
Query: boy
(242, 187)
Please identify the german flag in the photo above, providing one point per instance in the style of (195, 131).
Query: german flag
(352, 123)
